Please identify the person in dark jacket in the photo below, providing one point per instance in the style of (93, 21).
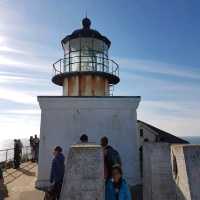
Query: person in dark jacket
(32, 145)
(111, 158)
(36, 141)
(17, 154)
(116, 187)
(57, 171)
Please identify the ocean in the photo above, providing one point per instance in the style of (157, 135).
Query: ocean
(8, 144)
(192, 139)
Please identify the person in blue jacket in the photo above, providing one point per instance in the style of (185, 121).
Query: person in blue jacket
(116, 187)
(57, 171)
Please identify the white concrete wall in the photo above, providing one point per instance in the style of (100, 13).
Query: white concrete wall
(192, 160)
(180, 172)
(158, 183)
(84, 173)
(186, 158)
(64, 119)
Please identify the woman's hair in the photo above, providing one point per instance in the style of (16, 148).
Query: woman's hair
(58, 149)
(118, 168)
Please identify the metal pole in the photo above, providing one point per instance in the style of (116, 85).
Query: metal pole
(6, 159)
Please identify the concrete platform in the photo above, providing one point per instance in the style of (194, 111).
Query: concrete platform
(21, 183)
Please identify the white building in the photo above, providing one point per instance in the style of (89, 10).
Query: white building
(149, 133)
(87, 76)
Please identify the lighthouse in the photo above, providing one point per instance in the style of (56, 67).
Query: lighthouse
(86, 69)
(87, 76)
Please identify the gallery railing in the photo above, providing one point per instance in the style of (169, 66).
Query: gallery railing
(86, 63)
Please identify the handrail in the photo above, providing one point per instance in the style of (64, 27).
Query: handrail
(26, 151)
(94, 63)
(13, 148)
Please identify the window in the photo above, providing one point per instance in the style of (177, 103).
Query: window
(141, 133)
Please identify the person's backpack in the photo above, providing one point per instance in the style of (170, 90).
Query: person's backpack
(113, 157)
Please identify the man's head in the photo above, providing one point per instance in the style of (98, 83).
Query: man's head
(57, 150)
(104, 141)
(35, 136)
(84, 138)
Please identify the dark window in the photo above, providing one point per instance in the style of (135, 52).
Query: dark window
(141, 133)
(146, 140)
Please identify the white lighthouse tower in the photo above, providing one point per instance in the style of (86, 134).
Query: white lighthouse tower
(87, 76)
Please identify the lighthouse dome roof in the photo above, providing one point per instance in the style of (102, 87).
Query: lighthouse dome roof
(86, 31)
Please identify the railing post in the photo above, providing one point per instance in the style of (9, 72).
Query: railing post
(6, 159)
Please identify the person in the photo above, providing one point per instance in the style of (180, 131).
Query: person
(20, 150)
(36, 147)
(31, 140)
(116, 187)
(57, 171)
(84, 138)
(20, 146)
(17, 154)
(1, 184)
(111, 157)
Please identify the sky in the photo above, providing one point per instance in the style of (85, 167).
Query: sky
(155, 43)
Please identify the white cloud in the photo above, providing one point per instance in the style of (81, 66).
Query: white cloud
(22, 111)
(17, 96)
(8, 49)
(19, 126)
(32, 64)
(20, 79)
(179, 118)
(158, 67)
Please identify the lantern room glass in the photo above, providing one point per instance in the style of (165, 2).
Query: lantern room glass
(86, 54)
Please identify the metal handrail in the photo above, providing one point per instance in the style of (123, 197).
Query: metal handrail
(26, 151)
(65, 65)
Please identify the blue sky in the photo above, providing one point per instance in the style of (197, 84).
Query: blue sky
(156, 44)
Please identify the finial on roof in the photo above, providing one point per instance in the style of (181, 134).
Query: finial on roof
(86, 23)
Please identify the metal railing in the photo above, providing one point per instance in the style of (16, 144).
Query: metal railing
(85, 64)
(7, 155)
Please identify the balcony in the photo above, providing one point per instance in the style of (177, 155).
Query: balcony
(69, 66)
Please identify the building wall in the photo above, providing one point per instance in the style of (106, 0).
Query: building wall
(145, 133)
(186, 160)
(180, 172)
(192, 160)
(158, 183)
(64, 119)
